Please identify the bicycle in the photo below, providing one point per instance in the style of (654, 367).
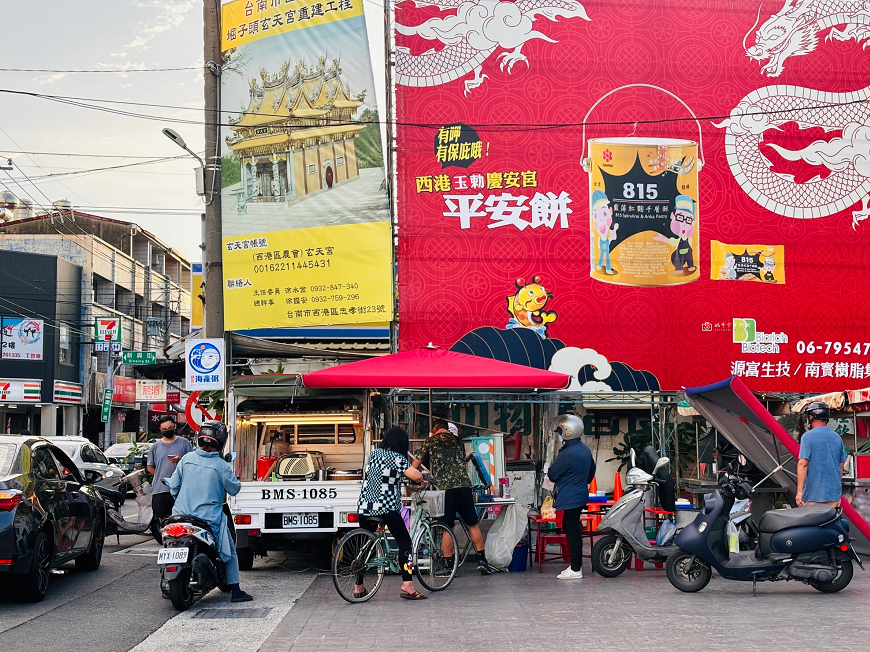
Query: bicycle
(363, 557)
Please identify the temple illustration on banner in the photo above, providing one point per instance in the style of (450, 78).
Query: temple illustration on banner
(296, 137)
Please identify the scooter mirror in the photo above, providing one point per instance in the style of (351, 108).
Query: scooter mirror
(230, 457)
(742, 459)
(633, 460)
(663, 461)
(165, 481)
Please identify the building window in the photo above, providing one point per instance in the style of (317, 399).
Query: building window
(312, 169)
(339, 161)
(64, 349)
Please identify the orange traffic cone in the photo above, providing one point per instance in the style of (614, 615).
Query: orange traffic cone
(594, 518)
(617, 487)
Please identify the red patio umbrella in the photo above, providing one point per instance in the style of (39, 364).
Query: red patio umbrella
(433, 368)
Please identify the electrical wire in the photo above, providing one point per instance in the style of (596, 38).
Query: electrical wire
(483, 126)
(108, 168)
(101, 70)
(4, 152)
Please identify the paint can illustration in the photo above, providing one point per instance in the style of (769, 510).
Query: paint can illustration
(643, 210)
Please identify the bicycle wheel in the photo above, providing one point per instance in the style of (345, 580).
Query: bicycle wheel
(353, 561)
(428, 555)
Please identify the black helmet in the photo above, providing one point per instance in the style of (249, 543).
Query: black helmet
(212, 433)
(817, 410)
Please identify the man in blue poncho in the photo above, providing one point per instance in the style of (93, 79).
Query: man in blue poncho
(199, 485)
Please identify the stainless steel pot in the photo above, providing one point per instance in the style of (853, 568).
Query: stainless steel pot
(355, 474)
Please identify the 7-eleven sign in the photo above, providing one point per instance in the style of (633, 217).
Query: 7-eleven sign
(107, 329)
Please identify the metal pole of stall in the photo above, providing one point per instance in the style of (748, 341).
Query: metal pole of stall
(430, 410)
(697, 452)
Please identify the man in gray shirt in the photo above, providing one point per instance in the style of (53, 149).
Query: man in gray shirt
(163, 457)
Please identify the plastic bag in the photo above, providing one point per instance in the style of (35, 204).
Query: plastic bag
(732, 537)
(143, 500)
(666, 533)
(505, 534)
(547, 509)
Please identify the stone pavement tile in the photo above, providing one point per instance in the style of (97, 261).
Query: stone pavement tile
(530, 611)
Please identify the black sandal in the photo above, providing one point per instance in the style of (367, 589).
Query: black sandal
(412, 596)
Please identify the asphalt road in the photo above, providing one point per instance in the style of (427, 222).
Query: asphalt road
(119, 607)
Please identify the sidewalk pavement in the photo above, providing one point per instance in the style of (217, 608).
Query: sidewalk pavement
(519, 612)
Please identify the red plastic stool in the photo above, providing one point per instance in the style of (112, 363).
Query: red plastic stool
(541, 554)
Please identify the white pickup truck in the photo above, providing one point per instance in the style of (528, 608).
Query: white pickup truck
(301, 473)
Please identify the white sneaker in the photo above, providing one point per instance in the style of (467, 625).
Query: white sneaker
(569, 574)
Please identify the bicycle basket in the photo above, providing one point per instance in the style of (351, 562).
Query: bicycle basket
(434, 503)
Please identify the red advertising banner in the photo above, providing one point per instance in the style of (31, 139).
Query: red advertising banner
(644, 195)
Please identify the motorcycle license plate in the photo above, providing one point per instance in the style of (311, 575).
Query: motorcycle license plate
(173, 555)
(306, 519)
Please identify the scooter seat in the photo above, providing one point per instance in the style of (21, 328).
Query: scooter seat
(780, 519)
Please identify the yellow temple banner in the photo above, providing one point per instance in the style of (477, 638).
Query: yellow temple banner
(246, 21)
(308, 277)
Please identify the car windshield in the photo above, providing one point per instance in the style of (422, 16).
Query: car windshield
(118, 450)
(67, 447)
(7, 457)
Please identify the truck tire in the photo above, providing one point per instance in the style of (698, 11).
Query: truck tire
(246, 558)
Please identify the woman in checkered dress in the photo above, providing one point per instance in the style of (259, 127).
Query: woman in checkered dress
(381, 496)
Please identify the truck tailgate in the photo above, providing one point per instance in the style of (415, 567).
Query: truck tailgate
(266, 501)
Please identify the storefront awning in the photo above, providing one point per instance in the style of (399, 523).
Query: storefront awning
(433, 368)
(834, 400)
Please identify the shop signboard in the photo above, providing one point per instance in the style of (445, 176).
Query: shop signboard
(22, 338)
(197, 291)
(204, 366)
(15, 390)
(306, 225)
(150, 391)
(138, 357)
(107, 329)
(125, 390)
(68, 393)
(645, 196)
(173, 396)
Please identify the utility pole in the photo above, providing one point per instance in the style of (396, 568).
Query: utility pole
(213, 268)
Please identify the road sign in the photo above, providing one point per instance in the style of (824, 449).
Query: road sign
(196, 412)
(138, 357)
(107, 329)
(107, 405)
(101, 347)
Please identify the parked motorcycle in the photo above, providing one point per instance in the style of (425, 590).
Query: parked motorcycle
(625, 524)
(625, 521)
(810, 544)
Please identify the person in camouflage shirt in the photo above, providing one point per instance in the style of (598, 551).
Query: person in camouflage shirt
(444, 455)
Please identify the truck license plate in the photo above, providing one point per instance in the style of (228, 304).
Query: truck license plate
(307, 519)
(172, 555)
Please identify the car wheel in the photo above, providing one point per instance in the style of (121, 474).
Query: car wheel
(35, 583)
(90, 561)
(246, 558)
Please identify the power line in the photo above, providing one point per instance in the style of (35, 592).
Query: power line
(102, 70)
(482, 126)
(53, 175)
(4, 152)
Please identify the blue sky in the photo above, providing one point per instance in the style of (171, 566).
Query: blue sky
(114, 35)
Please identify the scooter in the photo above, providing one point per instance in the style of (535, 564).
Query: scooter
(625, 522)
(810, 544)
(116, 524)
(190, 564)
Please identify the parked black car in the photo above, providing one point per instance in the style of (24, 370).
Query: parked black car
(49, 515)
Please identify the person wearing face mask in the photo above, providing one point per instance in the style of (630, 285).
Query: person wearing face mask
(571, 472)
(163, 457)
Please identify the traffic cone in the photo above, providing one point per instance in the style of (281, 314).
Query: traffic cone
(617, 487)
(595, 518)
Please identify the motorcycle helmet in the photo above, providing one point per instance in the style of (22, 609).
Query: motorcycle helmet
(817, 410)
(212, 433)
(569, 426)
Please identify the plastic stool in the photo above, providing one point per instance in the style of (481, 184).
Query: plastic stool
(541, 548)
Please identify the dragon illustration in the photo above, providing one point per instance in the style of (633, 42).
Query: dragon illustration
(794, 30)
(846, 157)
(472, 35)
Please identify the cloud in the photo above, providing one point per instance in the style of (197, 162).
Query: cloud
(49, 79)
(167, 15)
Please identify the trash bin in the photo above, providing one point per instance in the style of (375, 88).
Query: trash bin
(520, 558)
